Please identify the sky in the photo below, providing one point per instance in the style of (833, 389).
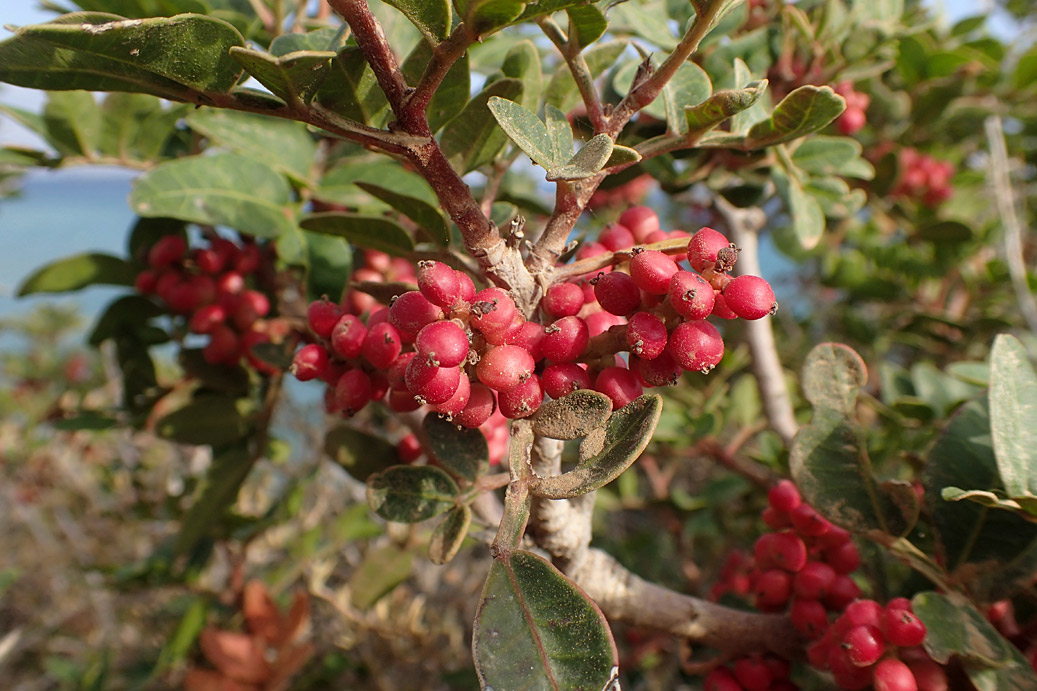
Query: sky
(21, 12)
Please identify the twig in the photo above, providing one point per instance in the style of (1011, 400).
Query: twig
(580, 71)
(744, 224)
(444, 56)
(1001, 181)
(376, 49)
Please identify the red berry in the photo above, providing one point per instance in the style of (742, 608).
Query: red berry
(562, 300)
(456, 403)
(443, 342)
(753, 674)
(439, 283)
(844, 558)
(170, 249)
(530, 335)
(617, 293)
(409, 449)
(400, 400)
(773, 589)
(563, 378)
(523, 400)
(321, 315)
(775, 520)
(813, 580)
(721, 679)
(703, 248)
(808, 522)
(696, 346)
(464, 282)
(842, 592)
(641, 221)
(146, 282)
(646, 335)
(248, 260)
(412, 310)
(481, 405)
(690, 295)
(209, 261)
(310, 362)
(784, 496)
(893, 675)
(504, 367)
(851, 121)
(433, 384)
(492, 310)
(903, 628)
(847, 675)
(720, 307)
(347, 338)
(353, 391)
(750, 297)
(565, 340)
(787, 551)
(863, 645)
(232, 283)
(207, 318)
(616, 237)
(660, 371)
(651, 271)
(382, 345)
(223, 348)
(809, 617)
(929, 675)
(619, 384)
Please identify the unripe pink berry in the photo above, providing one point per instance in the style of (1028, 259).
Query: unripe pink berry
(750, 297)
(467, 288)
(851, 121)
(617, 293)
(691, 295)
(652, 270)
(321, 315)
(601, 321)
(619, 384)
(720, 308)
(439, 283)
(703, 248)
(443, 342)
(646, 335)
(504, 367)
(696, 346)
(562, 300)
(432, 383)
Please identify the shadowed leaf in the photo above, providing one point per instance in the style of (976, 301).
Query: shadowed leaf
(573, 416)
(77, 272)
(473, 137)
(411, 494)
(431, 17)
(463, 452)
(428, 217)
(805, 110)
(369, 232)
(832, 375)
(382, 570)
(253, 135)
(213, 420)
(220, 490)
(360, 453)
(449, 534)
(294, 77)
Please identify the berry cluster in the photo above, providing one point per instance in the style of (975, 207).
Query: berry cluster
(804, 568)
(752, 672)
(473, 356)
(923, 178)
(853, 118)
(209, 287)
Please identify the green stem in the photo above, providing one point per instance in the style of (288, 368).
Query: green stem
(517, 498)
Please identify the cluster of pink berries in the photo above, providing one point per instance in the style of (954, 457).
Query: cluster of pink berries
(209, 288)
(853, 118)
(804, 568)
(473, 356)
(923, 177)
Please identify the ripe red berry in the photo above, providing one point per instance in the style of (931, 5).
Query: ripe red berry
(170, 249)
(409, 449)
(530, 335)
(209, 260)
(563, 378)
(247, 260)
(720, 307)
(565, 340)
(696, 346)
(353, 392)
(813, 580)
(844, 558)
(619, 384)
(773, 589)
(617, 293)
(493, 310)
(753, 673)
(903, 628)
(456, 403)
(808, 522)
(929, 675)
(347, 338)
(504, 367)
(851, 121)
(442, 342)
(523, 400)
(750, 297)
(651, 271)
(223, 348)
(207, 318)
(321, 315)
(232, 283)
(310, 362)
(847, 675)
(616, 237)
(809, 617)
(842, 592)
(439, 283)
(382, 345)
(893, 675)
(481, 405)
(641, 221)
(721, 679)
(863, 645)
(775, 520)
(411, 311)
(703, 248)
(690, 295)
(784, 496)
(661, 371)
(646, 335)
(562, 300)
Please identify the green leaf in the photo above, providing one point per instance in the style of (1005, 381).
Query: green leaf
(473, 137)
(535, 629)
(176, 58)
(294, 77)
(586, 25)
(136, 127)
(622, 156)
(254, 135)
(225, 189)
(361, 454)
(828, 458)
(431, 17)
(428, 217)
(351, 89)
(560, 134)
(1013, 410)
(73, 121)
(647, 20)
(834, 196)
(808, 219)
(179, 645)
(627, 434)
(525, 129)
(77, 272)
(219, 492)
(87, 420)
(369, 232)
(339, 185)
(487, 16)
(324, 39)
(449, 534)
(381, 571)
(823, 155)
(330, 262)
(453, 91)
(805, 110)
(1026, 70)
(588, 161)
(219, 378)
(128, 313)
(573, 416)
(955, 628)
(411, 494)
(721, 106)
(945, 232)
(462, 452)
(690, 86)
(208, 419)
(992, 500)
(523, 62)
(561, 90)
